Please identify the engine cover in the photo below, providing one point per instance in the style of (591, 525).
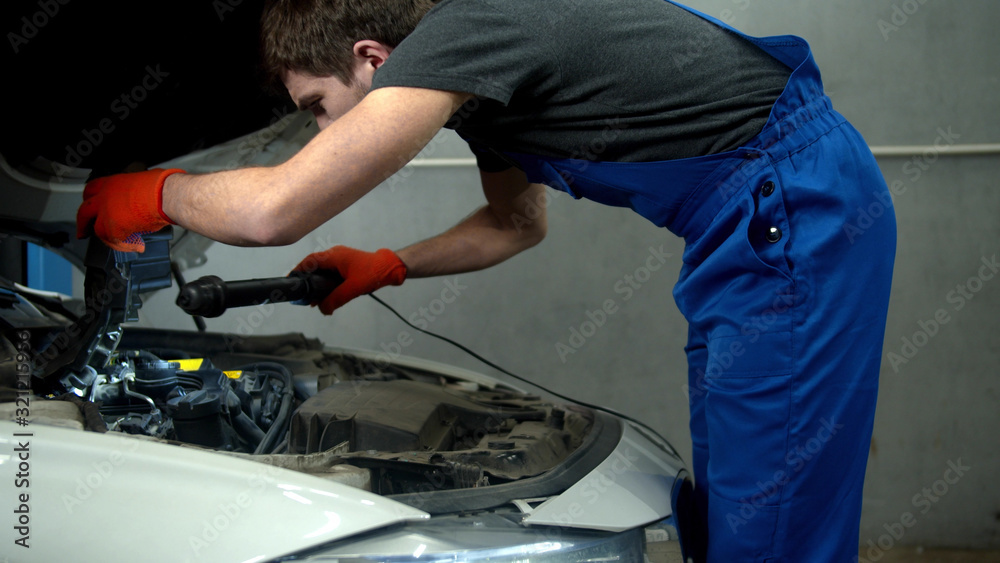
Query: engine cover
(397, 416)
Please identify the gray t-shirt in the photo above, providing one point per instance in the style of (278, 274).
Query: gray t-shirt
(601, 80)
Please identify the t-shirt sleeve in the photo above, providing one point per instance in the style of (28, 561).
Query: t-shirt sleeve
(488, 160)
(475, 46)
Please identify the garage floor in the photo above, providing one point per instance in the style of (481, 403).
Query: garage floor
(670, 553)
(917, 555)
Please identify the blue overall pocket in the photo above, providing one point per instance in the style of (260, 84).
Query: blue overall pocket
(768, 231)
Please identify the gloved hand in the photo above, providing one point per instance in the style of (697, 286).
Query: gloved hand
(363, 272)
(118, 208)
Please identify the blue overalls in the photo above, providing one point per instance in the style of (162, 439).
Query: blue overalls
(786, 295)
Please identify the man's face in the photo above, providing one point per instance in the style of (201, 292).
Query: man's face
(325, 96)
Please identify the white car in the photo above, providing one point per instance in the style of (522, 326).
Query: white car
(126, 444)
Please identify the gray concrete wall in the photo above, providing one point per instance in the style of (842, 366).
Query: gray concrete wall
(934, 69)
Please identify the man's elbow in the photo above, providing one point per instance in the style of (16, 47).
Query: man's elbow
(533, 233)
(269, 235)
(272, 226)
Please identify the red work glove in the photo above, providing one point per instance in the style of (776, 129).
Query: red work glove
(363, 272)
(118, 208)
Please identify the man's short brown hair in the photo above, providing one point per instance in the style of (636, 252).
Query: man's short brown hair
(317, 37)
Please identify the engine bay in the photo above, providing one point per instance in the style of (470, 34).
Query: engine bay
(193, 402)
(392, 428)
(389, 429)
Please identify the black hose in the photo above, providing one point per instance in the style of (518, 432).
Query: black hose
(277, 429)
(247, 429)
(242, 424)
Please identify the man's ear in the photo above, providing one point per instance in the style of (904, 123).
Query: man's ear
(369, 55)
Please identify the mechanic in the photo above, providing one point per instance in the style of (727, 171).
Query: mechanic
(725, 140)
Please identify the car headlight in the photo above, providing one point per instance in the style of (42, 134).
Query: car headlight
(480, 538)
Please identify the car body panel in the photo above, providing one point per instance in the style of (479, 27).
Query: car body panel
(160, 503)
(631, 488)
(480, 538)
(40, 198)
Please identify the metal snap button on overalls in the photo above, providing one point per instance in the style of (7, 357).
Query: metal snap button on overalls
(767, 189)
(773, 234)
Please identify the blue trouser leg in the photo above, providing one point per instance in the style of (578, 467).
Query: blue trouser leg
(697, 358)
(787, 310)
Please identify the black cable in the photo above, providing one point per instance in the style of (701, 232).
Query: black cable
(612, 412)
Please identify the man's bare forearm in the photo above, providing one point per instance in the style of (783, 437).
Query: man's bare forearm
(253, 206)
(279, 205)
(233, 207)
(510, 223)
(474, 244)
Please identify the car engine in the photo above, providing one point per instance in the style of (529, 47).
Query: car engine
(191, 401)
(389, 427)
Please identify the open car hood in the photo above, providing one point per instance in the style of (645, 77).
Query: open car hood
(104, 89)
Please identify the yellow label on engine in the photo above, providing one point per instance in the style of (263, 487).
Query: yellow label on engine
(193, 364)
(233, 374)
